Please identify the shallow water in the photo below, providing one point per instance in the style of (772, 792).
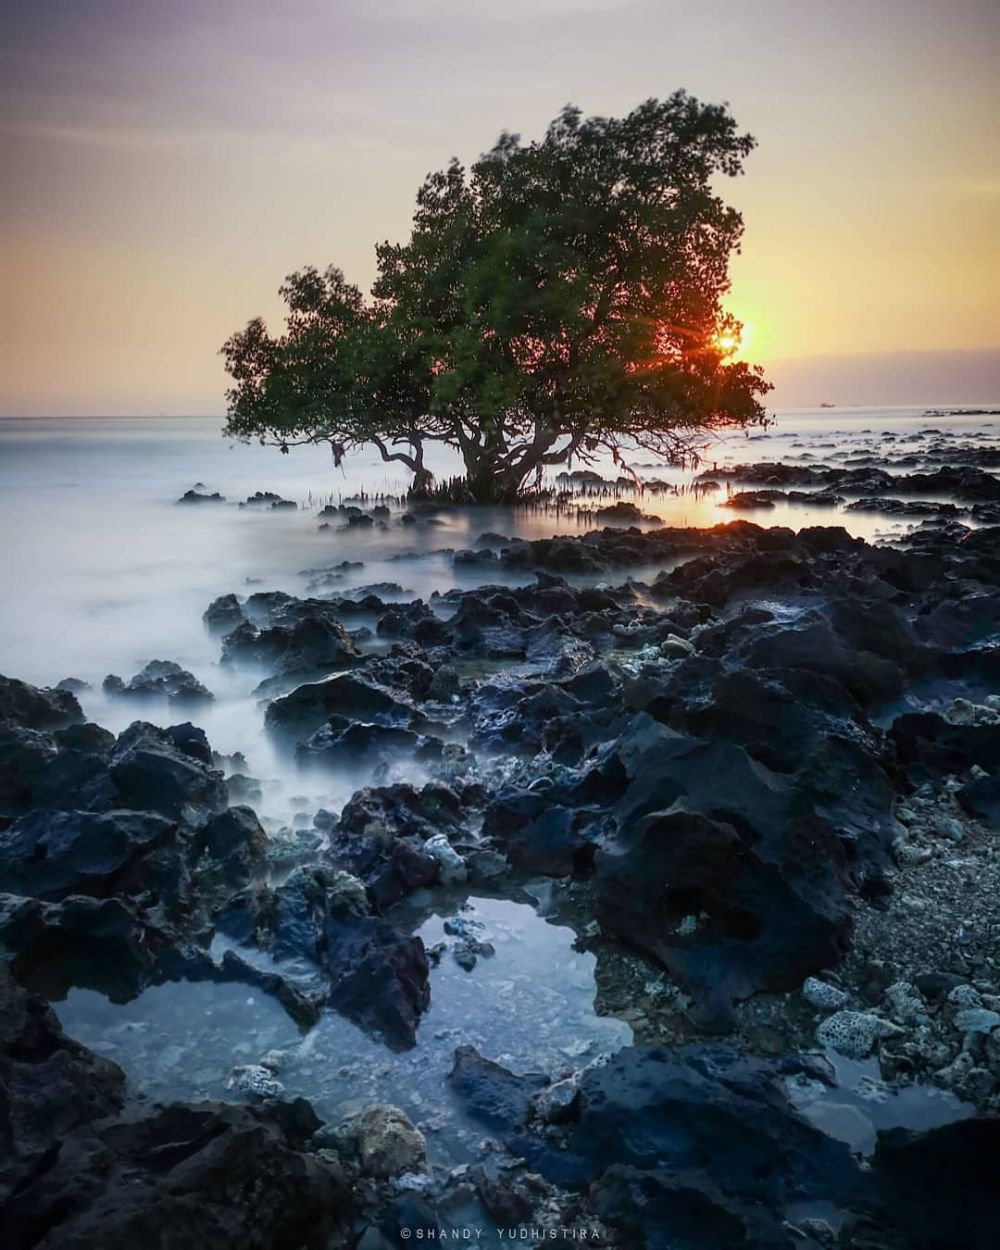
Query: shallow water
(103, 573)
(529, 1007)
(861, 1104)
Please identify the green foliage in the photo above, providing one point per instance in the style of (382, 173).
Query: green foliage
(557, 300)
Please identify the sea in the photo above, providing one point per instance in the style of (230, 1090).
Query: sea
(103, 570)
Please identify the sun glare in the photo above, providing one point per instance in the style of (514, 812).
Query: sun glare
(733, 342)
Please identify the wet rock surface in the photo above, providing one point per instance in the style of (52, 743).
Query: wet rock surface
(759, 784)
(87, 1164)
(161, 678)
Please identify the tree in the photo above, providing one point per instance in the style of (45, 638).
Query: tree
(560, 300)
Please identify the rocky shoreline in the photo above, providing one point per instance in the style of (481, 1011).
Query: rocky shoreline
(762, 784)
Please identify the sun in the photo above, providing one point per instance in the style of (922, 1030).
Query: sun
(727, 343)
(731, 342)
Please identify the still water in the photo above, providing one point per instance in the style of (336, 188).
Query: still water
(103, 572)
(530, 1007)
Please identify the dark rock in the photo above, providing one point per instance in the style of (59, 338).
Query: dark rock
(413, 620)
(620, 513)
(243, 789)
(263, 606)
(752, 499)
(73, 684)
(710, 855)
(161, 678)
(751, 929)
(196, 496)
(471, 558)
(151, 772)
(931, 747)
(224, 614)
(204, 1175)
(53, 769)
(192, 741)
(492, 1094)
(34, 708)
(963, 482)
(693, 1149)
(100, 944)
(705, 1110)
(686, 1208)
(936, 986)
(339, 746)
(815, 498)
(49, 855)
(234, 834)
(981, 799)
(445, 684)
(539, 835)
(381, 834)
(51, 1084)
(378, 977)
(905, 507)
(390, 869)
(268, 499)
(959, 622)
(404, 809)
(352, 696)
(939, 1184)
(810, 644)
(326, 947)
(312, 644)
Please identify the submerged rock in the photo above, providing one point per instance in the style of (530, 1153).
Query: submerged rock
(254, 1081)
(491, 1093)
(328, 947)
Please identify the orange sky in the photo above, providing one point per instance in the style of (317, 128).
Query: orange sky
(166, 165)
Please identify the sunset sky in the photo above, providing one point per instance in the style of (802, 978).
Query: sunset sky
(166, 164)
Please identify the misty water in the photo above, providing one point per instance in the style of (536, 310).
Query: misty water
(104, 572)
(530, 1007)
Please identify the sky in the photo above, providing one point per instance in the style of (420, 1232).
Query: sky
(165, 164)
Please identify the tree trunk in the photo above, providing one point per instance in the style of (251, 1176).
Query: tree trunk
(488, 484)
(422, 477)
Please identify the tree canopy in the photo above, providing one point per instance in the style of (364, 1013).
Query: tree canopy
(559, 300)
